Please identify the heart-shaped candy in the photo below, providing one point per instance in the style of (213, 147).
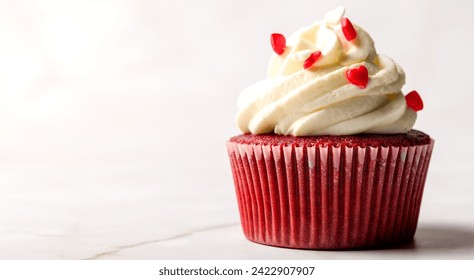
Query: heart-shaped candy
(311, 59)
(348, 30)
(358, 76)
(278, 43)
(414, 101)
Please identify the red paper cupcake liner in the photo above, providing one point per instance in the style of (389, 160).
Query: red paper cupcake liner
(329, 197)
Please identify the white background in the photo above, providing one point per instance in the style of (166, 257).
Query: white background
(114, 117)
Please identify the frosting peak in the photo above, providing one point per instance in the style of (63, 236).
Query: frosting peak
(327, 80)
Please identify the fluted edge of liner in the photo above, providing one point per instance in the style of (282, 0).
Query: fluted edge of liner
(329, 197)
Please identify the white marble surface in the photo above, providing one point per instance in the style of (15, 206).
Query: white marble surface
(114, 117)
(120, 209)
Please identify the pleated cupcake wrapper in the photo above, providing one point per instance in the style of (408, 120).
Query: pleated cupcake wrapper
(329, 197)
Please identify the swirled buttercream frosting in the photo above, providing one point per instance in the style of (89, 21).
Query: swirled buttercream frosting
(327, 79)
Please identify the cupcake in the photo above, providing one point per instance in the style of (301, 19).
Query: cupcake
(328, 158)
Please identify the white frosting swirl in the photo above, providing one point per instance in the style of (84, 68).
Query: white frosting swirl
(320, 100)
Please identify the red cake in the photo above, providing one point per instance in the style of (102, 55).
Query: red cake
(328, 158)
(330, 192)
(413, 137)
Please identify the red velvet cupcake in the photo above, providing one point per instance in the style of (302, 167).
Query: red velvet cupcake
(328, 159)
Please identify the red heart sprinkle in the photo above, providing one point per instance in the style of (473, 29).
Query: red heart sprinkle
(414, 101)
(349, 32)
(358, 76)
(278, 43)
(311, 59)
